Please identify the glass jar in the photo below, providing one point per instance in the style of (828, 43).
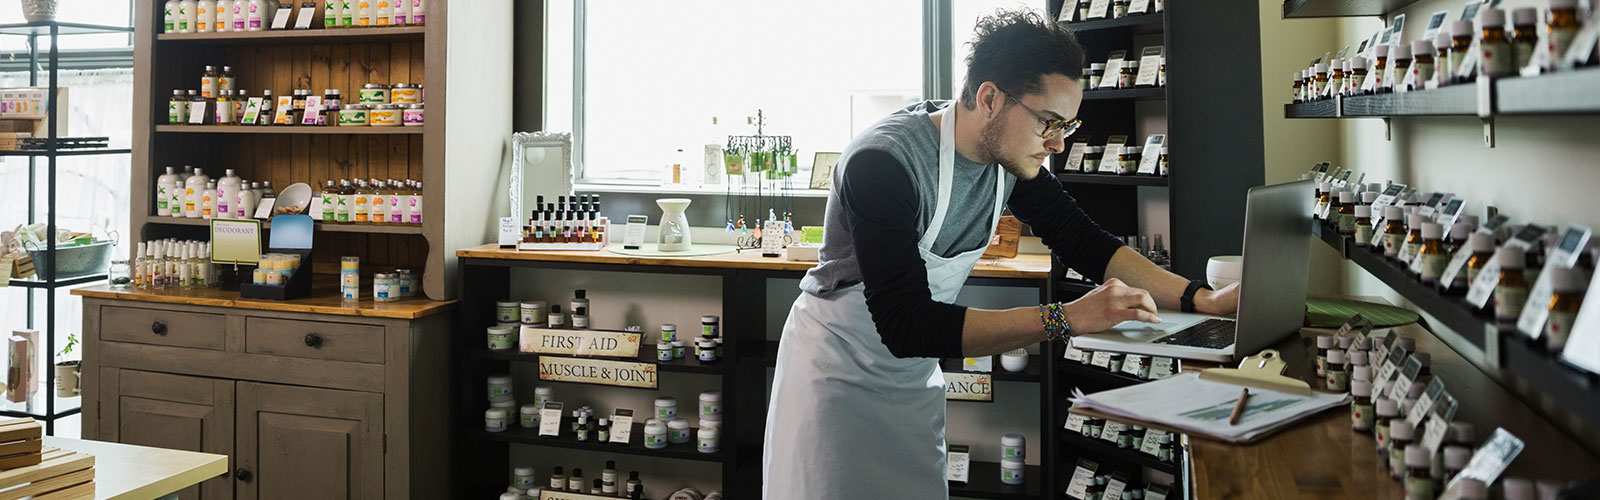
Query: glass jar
(374, 93)
(406, 283)
(1128, 161)
(1161, 163)
(411, 115)
(500, 338)
(1097, 71)
(1091, 158)
(120, 274)
(383, 288)
(1130, 71)
(405, 93)
(353, 115)
(384, 115)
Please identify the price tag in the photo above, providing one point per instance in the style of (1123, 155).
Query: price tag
(621, 425)
(1457, 265)
(510, 230)
(1069, 12)
(1073, 354)
(197, 113)
(958, 463)
(1416, 262)
(1491, 459)
(303, 19)
(1099, 9)
(1113, 431)
(1082, 478)
(1391, 362)
(1132, 363)
(1075, 422)
(285, 108)
(1448, 215)
(1114, 487)
(1075, 156)
(313, 111)
(252, 111)
(1113, 66)
(633, 234)
(264, 209)
(1161, 368)
(1138, 7)
(280, 19)
(1413, 367)
(1149, 64)
(1152, 442)
(1537, 309)
(1388, 197)
(1114, 145)
(1583, 344)
(550, 419)
(1101, 359)
(1483, 286)
(1152, 153)
(1439, 426)
(1425, 403)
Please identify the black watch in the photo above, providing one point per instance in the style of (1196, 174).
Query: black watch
(1186, 302)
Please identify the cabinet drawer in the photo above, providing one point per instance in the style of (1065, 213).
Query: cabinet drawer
(314, 339)
(170, 328)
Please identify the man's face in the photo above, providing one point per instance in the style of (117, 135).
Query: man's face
(1011, 137)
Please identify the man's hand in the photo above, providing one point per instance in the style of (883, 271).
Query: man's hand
(1109, 304)
(1219, 302)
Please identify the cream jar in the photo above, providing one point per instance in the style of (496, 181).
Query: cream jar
(499, 387)
(666, 408)
(353, 115)
(374, 93)
(505, 311)
(1014, 361)
(532, 313)
(710, 404)
(494, 420)
(411, 115)
(708, 440)
(678, 431)
(500, 338)
(528, 416)
(405, 93)
(1011, 472)
(655, 435)
(384, 115)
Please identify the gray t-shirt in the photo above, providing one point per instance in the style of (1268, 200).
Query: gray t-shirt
(909, 136)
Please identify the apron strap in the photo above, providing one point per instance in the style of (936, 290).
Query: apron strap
(947, 162)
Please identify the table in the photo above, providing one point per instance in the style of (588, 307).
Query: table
(140, 472)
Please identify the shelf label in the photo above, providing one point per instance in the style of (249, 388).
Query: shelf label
(1114, 487)
(1075, 156)
(1152, 153)
(1391, 366)
(284, 112)
(1075, 422)
(1408, 374)
(597, 372)
(550, 419)
(1113, 431)
(1149, 64)
(1132, 363)
(1490, 460)
(1100, 359)
(621, 426)
(958, 463)
(1444, 411)
(1161, 368)
(1082, 478)
(235, 241)
(312, 114)
(1138, 7)
(1113, 65)
(252, 110)
(197, 113)
(583, 343)
(1425, 402)
(1072, 354)
(280, 19)
(1565, 254)
(1152, 442)
(303, 19)
(968, 387)
(1457, 265)
(1099, 9)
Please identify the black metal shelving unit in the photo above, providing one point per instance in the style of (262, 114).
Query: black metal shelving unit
(1341, 8)
(54, 408)
(1112, 179)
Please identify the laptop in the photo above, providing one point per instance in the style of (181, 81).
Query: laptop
(1272, 290)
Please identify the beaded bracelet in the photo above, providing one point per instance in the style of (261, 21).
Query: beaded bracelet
(1054, 318)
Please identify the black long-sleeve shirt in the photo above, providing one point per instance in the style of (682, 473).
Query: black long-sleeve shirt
(882, 206)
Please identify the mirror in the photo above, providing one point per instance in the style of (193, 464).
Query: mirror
(541, 165)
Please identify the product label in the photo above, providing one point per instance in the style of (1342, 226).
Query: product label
(1075, 156)
(1433, 266)
(1152, 442)
(968, 387)
(1100, 359)
(1075, 423)
(1491, 459)
(597, 372)
(1113, 430)
(1082, 478)
(1161, 368)
(1099, 9)
(550, 419)
(1360, 416)
(1508, 302)
(957, 463)
(1392, 244)
(1133, 364)
(1531, 319)
(621, 426)
(1408, 251)
(285, 111)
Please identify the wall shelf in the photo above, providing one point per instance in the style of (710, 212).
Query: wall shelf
(1453, 312)
(1341, 8)
(1113, 179)
(1326, 108)
(320, 226)
(1142, 23)
(1139, 93)
(1571, 92)
(308, 35)
(1454, 100)
(292, 129)
(983, 481)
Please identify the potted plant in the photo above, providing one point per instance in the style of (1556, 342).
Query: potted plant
(68, 371)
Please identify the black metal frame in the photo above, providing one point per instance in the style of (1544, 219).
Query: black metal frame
(33, 31)
(481, 472)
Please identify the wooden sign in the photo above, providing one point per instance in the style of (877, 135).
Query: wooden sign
(968, 387)
(567, 495)
(597, 372)
(586, 343)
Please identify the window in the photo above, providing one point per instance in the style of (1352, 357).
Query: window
(964, 15)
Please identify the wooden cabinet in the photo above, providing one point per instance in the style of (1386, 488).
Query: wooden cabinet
(342, 406)
(298, 442)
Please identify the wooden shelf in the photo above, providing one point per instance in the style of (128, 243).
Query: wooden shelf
(1341, 8)
(647, 354)
(320, 226)
(1141, 23)
(569, 441)
(983, 481)
(294, 129)
(1102, 449)
(1326, 108)
(1571, 92)
(318, 35)
(1139, 93)
(1113, 179)
(1454, 100)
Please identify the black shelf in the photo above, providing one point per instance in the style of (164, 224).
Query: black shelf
(647, 354)
(1113, 179)
(1140, 93)
(60, 283)
(42, 153)
(769, 353)
(1453, 312)
(1454, 100)
(1140, 23)
(1102, 449)
(1571, 92)
(1341, 8)
(1030, 374)
(1091, 378)
(43, 29)
(567, 440)
(1578, 391)
(1325, 108)
(1330, 235)
(983, 481)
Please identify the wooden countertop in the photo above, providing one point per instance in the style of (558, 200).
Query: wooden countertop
(125, 471)
(1023, 266)
(320, 302)
(1323, 458)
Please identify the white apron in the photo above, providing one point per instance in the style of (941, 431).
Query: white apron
(848, 420)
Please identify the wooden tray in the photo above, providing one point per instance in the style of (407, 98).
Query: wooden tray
(61, 475)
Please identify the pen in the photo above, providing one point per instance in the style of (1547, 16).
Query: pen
(1238, 408)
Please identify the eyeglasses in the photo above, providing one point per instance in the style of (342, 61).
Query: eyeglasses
(1054, 128)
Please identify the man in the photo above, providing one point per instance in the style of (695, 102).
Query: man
(857, 407)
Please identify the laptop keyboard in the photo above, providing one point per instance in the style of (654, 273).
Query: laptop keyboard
(1208, 334)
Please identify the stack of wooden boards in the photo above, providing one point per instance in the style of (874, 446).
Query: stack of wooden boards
(28, 469)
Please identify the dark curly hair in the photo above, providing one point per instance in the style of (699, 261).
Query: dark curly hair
(1013, 48)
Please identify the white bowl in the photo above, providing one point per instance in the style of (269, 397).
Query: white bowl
(1014, 361)
(294, 199)
(1224, 270)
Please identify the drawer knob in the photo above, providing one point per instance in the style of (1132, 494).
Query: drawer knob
(242, 474)
(158, 328)
(313, 341)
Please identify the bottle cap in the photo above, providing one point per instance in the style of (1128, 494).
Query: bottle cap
(1422, 47)
(1381, 51)
(1361, 372)
(1524, 16)
(1358, 63)
(1567, 280)
(1364, 211)
(1400, 429)
(1462, 28)
(1431, 230)
(1463, 433)
(1441, 41)
(1461, 231)
(1098, 66)
(678, 424)
(1511, 258)
(1471, 489)
(1480, 242)
(1336, 357)
(1516, 488)
(1401, 51)
(1414, 221)
(1358, 358)
(1346, 65)
(711, 397)
(1347, 197)
(1322, 68)
(1387, 408)
(1392, 213)
(1361, 388)
(1011, 439)
(666, 401)
(522, 471)
(1345, 341)
(1325, 341)
(1492, 18)
(1563, 4)
(1368, 197)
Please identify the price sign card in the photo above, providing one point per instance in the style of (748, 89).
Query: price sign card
(1444, 411)
(1075, 422)
(1114, 64)
(1149, 64)
(197, 113)
(621, 425)
(1115, 487)
(1082, 479)
(1132, 363)
(958, 463)
(1161, 368)
(1152, 153)
(280, 19)
(1391, 367)
(550, 419)
(1114, 145)
(284, 114)
(1568, 248)
(1490, 460)
(1138, 7)
(1099, 9)
(1424, 406)
(313, 111)
(1152, 442)
(1073, 354)
(1112, 431)
(1448, 214)
(1075, 156)
(1413, 368)
(302, 20)
(1101, 359)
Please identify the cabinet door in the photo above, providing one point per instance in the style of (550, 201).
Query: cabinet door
(300, 442)
(170, 411)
